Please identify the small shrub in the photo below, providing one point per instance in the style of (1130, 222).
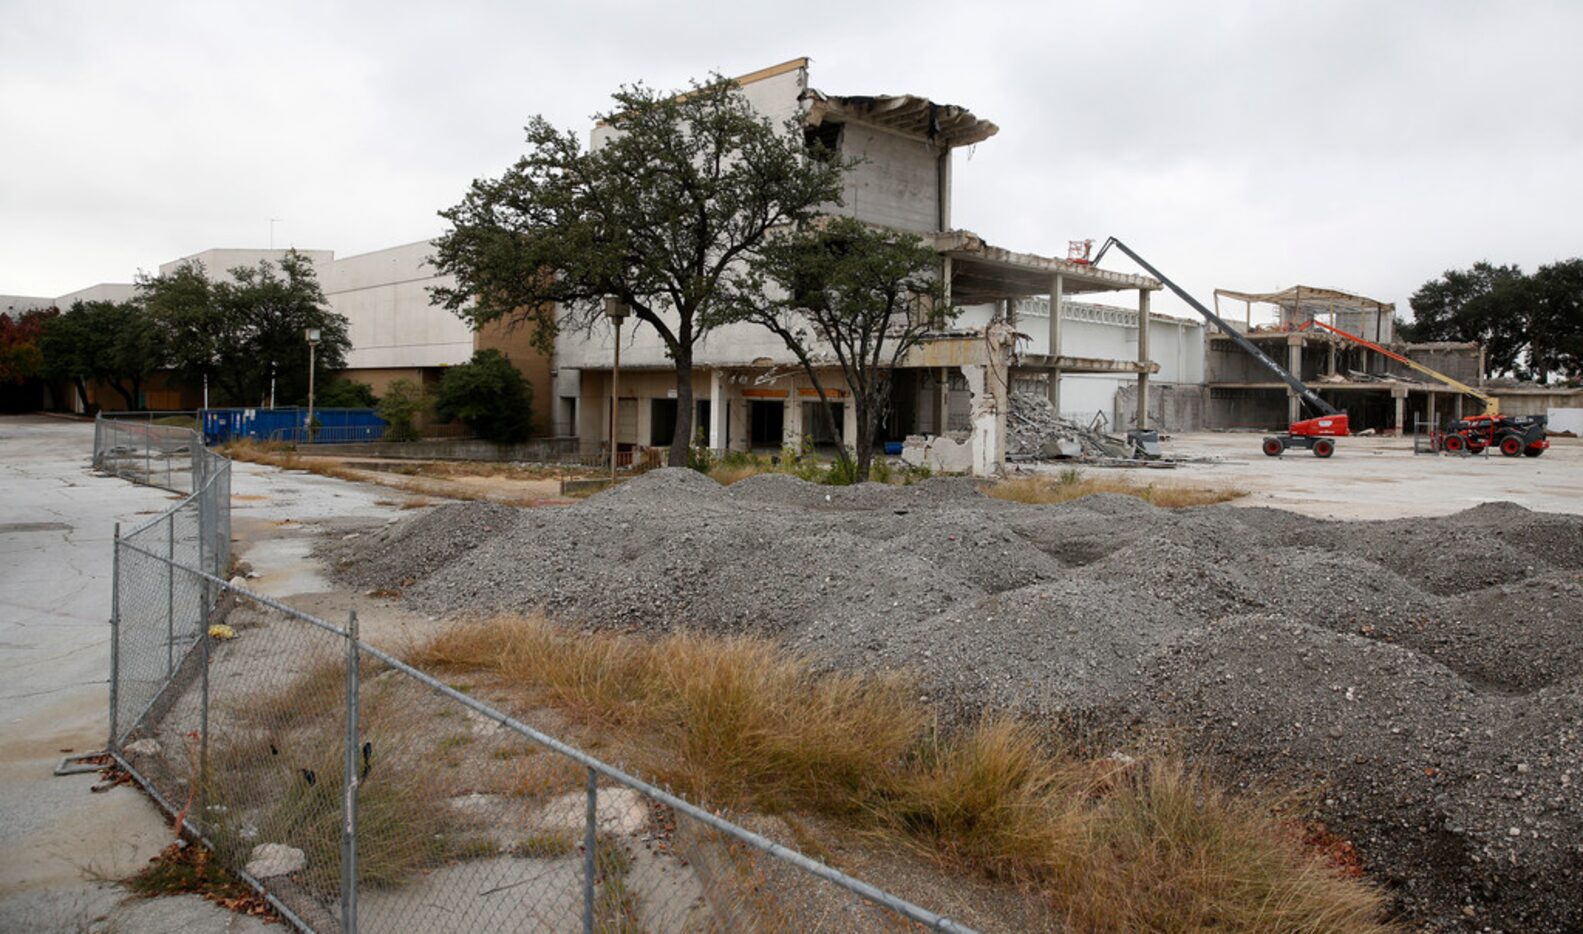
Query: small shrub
(880, 471)
(341, 393)
(841, 473)
(487, 395)
(404, 401)
(699, 456)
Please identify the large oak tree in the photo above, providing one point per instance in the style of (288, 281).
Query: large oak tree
(246, 332)
(857, 296)
(1530, 325)
(664, 216)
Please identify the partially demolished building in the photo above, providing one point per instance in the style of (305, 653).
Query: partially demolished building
(955, 386)
(1378, 393)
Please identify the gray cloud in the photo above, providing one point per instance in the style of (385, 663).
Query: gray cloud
(1365, 146)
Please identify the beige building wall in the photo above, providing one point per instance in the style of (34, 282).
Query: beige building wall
(534, 365)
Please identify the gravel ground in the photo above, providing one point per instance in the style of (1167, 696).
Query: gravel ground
(1422, 678)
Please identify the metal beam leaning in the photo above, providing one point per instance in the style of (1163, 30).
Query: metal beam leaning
(1143, 359)
(1057, 287)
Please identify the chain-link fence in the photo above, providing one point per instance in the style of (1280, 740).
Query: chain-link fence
(357, 792)
(157, 448)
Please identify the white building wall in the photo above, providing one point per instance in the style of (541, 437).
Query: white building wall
(391, 322)
(896, 184)
(218, 263)
(1104, 331)
(103, 292)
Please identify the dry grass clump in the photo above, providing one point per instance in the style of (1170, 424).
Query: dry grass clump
(1073, 484)
(729, 720)
(1114, 845)
(276, 773)
(417, 480)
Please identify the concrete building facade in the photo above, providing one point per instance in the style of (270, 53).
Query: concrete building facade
(751, 393)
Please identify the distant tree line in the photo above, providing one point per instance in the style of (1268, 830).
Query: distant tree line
(245, 337)
(1530, 325)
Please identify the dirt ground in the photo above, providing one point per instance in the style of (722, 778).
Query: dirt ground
(1370, 478)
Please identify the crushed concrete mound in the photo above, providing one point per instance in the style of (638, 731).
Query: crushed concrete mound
(1420, 679)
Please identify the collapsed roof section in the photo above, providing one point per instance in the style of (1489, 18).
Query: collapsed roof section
(1320, 300)
(982, 272)
(945, 124)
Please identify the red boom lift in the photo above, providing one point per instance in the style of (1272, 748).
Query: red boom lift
(1312, 433)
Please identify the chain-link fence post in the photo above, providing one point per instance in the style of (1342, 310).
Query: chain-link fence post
(148, 453)
(590, 838)
(203, 723)
(98, 438)
(170, 596)
(115, 633)
(349, 787)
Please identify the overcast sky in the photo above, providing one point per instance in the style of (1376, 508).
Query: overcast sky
(1366, 146)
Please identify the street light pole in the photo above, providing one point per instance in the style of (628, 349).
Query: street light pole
(616, 310)
(312, 334)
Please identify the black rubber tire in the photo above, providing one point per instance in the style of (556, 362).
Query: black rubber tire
(1273, 447)
(1453, 444)
(1533, 452)
(1324, 447)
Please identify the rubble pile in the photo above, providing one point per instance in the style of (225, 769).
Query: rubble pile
(1035, 431)
(1434, 713)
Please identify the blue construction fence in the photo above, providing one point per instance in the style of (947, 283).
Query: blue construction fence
(290, 423)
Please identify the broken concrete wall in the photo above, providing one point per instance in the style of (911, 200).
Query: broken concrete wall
(1172, 406)
(949, 453)
(1245, 408)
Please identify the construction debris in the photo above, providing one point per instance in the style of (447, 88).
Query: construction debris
(1035, 431)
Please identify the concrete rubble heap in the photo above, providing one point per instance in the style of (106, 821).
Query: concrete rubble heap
(1035, 431)
(1438, 710)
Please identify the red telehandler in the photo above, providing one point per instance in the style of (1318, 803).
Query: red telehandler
(1312, 433)
(1510, 434)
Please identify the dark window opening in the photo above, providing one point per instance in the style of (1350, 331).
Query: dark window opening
(767, 423)
(817, 427)
(662, 422)
(823, 141)
(701, 423)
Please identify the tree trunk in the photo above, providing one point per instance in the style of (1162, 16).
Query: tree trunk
(864, 442)
(683, 437)
(82, 392)
(129, 398)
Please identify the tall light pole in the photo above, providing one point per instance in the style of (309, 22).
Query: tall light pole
(616, 310)
(312, 334)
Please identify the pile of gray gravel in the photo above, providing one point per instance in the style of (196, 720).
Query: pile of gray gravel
(1422, 677)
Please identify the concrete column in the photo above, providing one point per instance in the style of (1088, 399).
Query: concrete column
(1457, 410)
(644, 423)
(718, 400)
(1143, 358)
(1332, 368)
(944, 402)
(1433, 396)
(1400, 395)
(1057, 288)
(1294, 365)
(849, 424)
(792, 427)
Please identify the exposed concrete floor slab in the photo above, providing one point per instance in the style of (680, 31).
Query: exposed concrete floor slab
(1372, 477)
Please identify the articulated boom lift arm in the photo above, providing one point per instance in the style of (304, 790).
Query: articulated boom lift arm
(1303, 392)
(1492, 405)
